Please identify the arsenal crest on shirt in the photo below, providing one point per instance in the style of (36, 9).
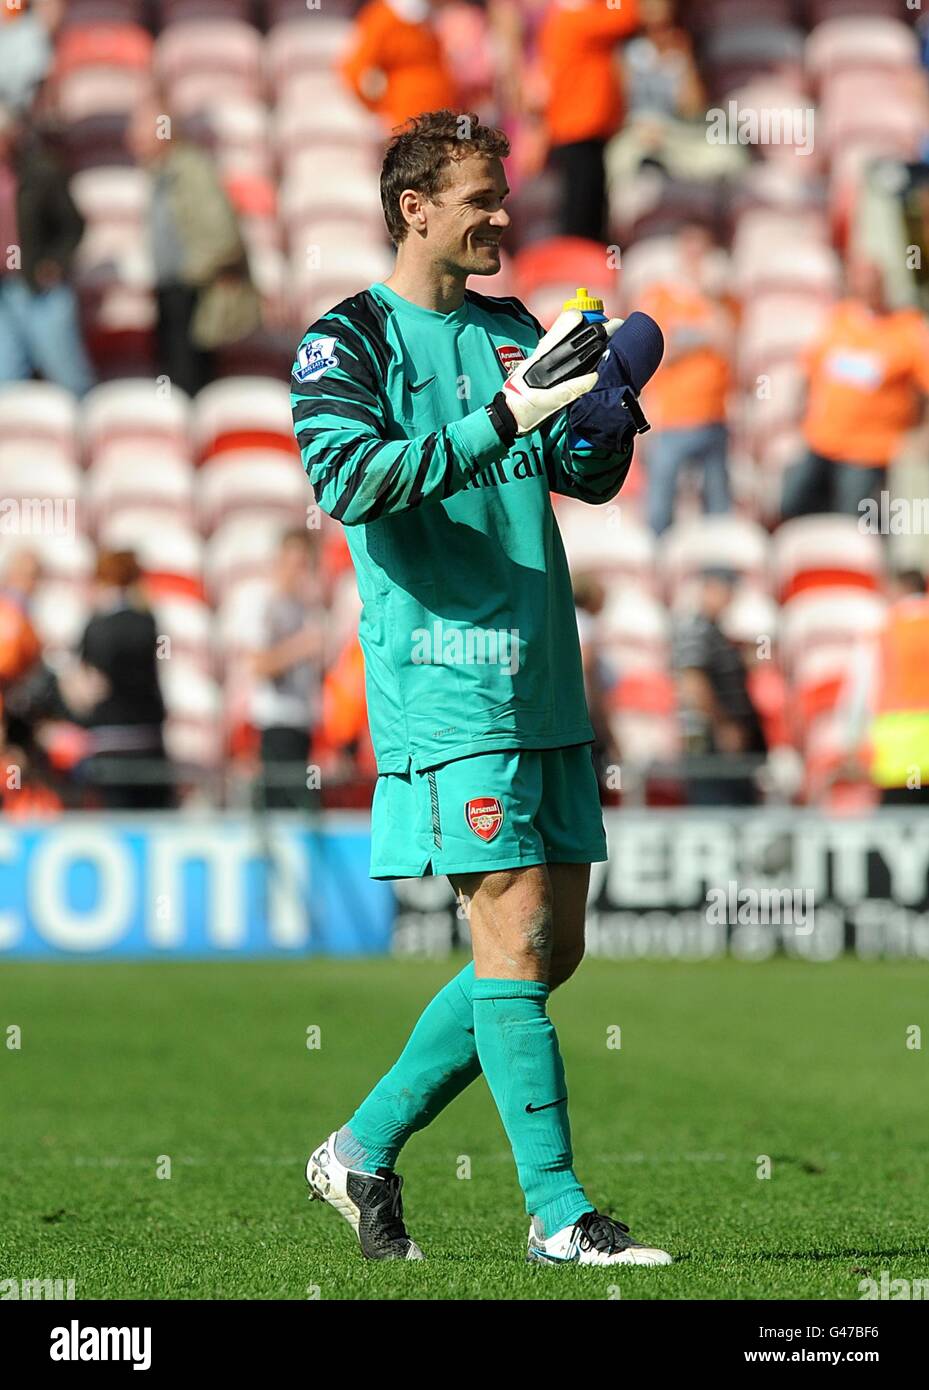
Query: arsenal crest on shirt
(484, 814)
(510, 357)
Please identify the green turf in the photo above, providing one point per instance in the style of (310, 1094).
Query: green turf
(720, 1063)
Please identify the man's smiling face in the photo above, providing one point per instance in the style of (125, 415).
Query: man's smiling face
(468, 218)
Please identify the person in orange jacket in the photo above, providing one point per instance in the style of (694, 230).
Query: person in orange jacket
(584, 104)
(884, 707)
(343, 728)
(866, 372)
(395, 64)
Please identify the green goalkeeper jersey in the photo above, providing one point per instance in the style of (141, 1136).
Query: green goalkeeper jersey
(468, 625)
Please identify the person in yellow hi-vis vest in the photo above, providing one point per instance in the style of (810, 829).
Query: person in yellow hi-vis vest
(887, 701)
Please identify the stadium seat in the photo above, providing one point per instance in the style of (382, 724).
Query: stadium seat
(199, 47)
(751, 614)
(644, 738)
(103, 45)
(835, 617)
(315, 42)
(68, 558)
(776, 326)
(96, 141)
(773, 404)
(301, 126)
(136, 409)
(805, 267)
(649, 262)
(316, 291)
(131, 474)
(242, 413)
(100, 91)
(180, 11)
(83, 12)
(688, 547)
(811, 552)
(239, 133)
(860, 43)
(188, 624)
(733, 54)
(818, 676)
(634, 630)
(193, 699)
(249, 481)
(318, 181)
(560, 265)
(241, 548)
(59, 612)
(41, 470)
(39, 410)
(607, 541)
(240, 625)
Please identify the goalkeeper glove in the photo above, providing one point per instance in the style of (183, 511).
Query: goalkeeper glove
(609, 414)
(561, 369)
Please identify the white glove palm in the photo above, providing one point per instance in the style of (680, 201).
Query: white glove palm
(569, 346)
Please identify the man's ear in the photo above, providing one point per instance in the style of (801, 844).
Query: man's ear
(412, 205)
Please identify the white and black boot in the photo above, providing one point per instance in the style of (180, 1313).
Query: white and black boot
(370, 1202)
(595, 1239)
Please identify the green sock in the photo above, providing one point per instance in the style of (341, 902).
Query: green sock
(518, 1049)
(438, 1062)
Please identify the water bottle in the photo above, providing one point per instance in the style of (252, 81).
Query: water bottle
(592, 309)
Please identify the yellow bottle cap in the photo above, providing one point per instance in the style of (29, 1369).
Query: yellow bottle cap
(587, 303)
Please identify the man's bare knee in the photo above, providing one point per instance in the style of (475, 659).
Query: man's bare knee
(562, 967)
(511, 923)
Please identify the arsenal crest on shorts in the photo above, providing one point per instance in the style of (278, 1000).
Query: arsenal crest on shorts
(484, 814)
(510, 357)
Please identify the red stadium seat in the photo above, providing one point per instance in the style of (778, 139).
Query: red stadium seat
(243, 413)
(564, 263)
(813, 552)
(103, 45)
(833, 618)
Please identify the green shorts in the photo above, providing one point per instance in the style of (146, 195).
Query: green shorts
(490, 811)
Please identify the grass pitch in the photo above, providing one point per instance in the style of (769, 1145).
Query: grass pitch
(124, 1066)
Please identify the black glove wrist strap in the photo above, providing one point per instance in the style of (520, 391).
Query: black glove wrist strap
(502, 419)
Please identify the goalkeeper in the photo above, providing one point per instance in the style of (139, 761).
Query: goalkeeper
(434, 422)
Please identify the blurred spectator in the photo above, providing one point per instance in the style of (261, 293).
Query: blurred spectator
(19, 645)
(395, 64)
(39, 231)
(584, 104)
(884, 706)
(719, 719)
(344, 738)
(685, 402)
(205, 297)
(865, 372)
(589, 598)
(286, 703)
(115, 693)
(25, 48)
(660, 73)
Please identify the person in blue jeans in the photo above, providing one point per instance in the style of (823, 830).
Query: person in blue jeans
(39, 232)
(671, 451)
